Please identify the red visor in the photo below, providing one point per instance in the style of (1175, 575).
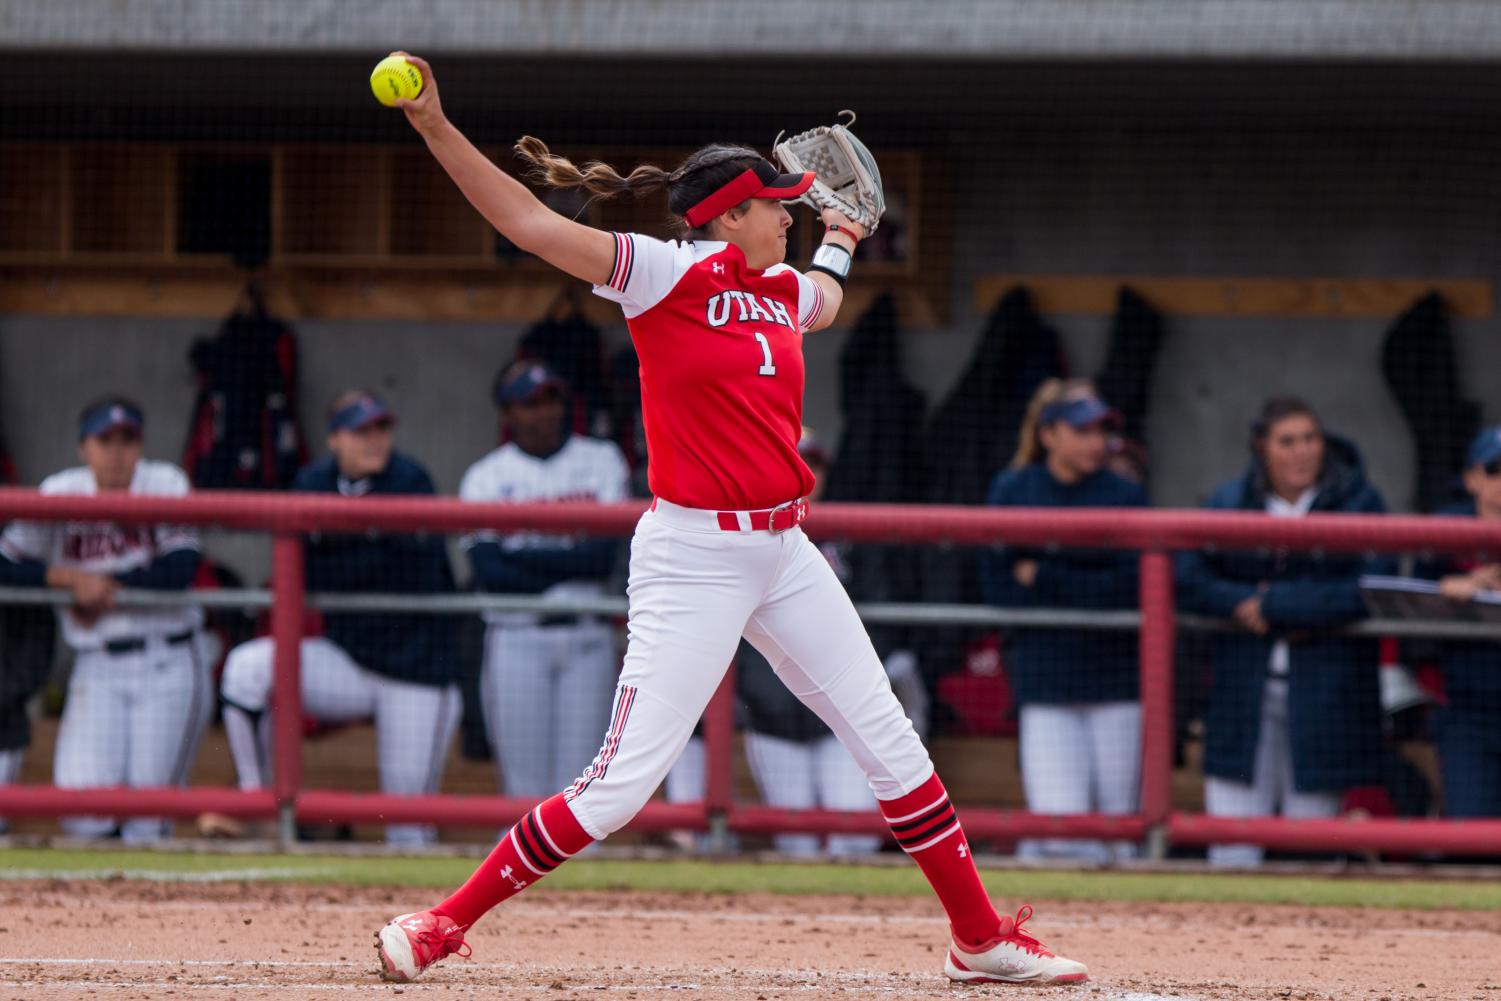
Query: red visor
(759, 181)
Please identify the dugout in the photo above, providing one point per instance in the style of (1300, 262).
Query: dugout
(1280, 179)
(1290, 176)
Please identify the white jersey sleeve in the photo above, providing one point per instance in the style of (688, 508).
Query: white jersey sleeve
(28, 540)
(162, 479)
(646, 269)
(810, 301)
(480, 483)
(40, 540)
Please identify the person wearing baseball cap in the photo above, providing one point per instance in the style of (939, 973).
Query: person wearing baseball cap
(547, 681)
(532, 400)
(1468, 728)
(360, 436)
(110, 432)
(1074, 688)
(140, 693)
(400, 669)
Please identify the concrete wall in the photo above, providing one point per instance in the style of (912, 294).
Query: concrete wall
(1431, 29)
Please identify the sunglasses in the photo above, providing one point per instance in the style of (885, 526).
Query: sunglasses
(1492, 468)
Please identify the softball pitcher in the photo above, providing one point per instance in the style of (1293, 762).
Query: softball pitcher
(718, 321)
(140, 694)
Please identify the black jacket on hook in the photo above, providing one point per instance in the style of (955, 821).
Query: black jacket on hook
(972, 437)
(244, 431)
(880, 458)
(1420, 367)
(1125, 380)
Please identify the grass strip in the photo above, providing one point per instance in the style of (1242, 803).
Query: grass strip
(698, 876)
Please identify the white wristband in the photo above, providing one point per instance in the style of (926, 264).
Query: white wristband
(834, 260)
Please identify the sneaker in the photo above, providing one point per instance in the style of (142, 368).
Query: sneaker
(1012, 957)
(411, 943)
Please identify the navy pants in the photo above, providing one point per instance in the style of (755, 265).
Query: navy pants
(1469, 747)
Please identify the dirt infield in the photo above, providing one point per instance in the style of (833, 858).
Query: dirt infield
(68, 940)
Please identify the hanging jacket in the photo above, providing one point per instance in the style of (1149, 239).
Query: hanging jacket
(571, 347)
(970, 437)
(1418, 360)
(879, 459)
(1125, 379)
(243, 433)
(1334, 705)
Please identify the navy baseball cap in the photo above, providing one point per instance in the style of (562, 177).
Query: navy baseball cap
(107, 417)
(1485, 448)
(361, 412)
(525, 381)
(1080, 412)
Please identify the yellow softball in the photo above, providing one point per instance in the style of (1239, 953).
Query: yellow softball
(394, 78)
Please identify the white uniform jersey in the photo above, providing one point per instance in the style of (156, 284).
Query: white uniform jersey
(107, 548)
(583, 469)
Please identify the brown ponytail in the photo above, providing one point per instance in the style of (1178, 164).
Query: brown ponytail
(595, 177)
(704, 172)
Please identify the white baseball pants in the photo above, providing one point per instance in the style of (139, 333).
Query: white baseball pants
(694, 590)
(1082, 757)
(10, 770)
(1270, 791)
(803, 775)
(546, 693)
(10, 765)
(132, 719)
(414, 724)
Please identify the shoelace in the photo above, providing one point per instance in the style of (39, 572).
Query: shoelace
(444, 943)
(1020, 938)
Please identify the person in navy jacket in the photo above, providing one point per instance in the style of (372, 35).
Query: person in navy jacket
(401, 669)
(1294, 713)
(1469, 726)
(1077, 689)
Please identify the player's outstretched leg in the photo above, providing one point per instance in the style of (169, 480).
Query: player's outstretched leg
(814, 640)
(652, 719)
(540, 842)
(984, 947)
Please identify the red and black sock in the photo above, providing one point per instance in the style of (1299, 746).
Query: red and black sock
(541, 841)
(927, 828)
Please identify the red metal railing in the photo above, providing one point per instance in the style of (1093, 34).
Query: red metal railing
(1155, 533)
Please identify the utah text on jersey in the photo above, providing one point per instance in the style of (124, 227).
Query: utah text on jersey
(750, 309)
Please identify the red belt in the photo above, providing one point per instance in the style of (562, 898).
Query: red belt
(774, 520)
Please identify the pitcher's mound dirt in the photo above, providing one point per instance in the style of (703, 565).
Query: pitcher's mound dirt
(65, 941)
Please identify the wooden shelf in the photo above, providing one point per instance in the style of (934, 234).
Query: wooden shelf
(119, 199)
(430, 218)
(32, 216)
(158, 229)
(331, 202)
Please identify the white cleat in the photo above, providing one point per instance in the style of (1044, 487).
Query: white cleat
(411, 943)
(1012, 957)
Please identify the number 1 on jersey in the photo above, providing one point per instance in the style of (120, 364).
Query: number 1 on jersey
(767, 368)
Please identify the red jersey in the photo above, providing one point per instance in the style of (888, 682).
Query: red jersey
(721, 352)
